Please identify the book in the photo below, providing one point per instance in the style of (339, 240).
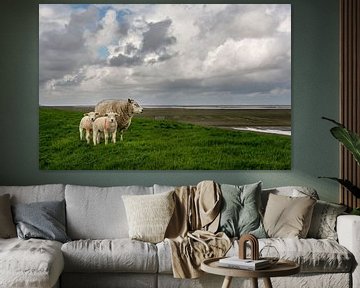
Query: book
(236, 262)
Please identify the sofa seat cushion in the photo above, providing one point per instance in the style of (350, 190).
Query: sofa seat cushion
(115, 255)
(313, 255)
(30, 263)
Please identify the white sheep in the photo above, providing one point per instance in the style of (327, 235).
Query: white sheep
(86, 123)
(107, 125)
(125, 109)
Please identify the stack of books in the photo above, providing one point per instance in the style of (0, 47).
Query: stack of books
(248, 264)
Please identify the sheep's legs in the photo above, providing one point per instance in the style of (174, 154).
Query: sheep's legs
(106, 137)
(95, 137)
(81, 133)
(87, 136)
(114, 137)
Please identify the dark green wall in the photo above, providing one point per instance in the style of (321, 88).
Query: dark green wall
(314, 94)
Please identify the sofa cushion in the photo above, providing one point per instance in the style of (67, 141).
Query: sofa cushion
(43, 220)
(117, 255)
(7, 226)
(98, 213)
(30, 263)
(287, 216)
(149, 215)
(240, 210)
(323, 222)
(34, 193)
(313, 255)
(290, 191)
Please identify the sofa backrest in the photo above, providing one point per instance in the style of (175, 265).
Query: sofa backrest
(35, 193)
(293, 191)
(98, 212)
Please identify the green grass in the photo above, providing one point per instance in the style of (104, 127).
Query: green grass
(158, 145)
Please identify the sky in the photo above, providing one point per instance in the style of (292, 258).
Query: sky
(157, 54)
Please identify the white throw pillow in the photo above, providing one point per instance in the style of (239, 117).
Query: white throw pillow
(149, 215)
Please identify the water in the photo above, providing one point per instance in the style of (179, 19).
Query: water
(271, 130)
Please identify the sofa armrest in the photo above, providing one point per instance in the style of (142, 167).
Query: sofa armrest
(348, 230)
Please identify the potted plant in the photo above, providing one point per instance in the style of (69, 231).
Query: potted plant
(351, 141)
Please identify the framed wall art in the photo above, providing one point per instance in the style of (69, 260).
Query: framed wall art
(165, 87)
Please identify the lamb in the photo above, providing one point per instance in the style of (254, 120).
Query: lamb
(125, 110)
(86, 123)
(106, 124)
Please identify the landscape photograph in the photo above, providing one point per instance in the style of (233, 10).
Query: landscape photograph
(165, 87)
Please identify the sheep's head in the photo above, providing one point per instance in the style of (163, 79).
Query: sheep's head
(111, 116)
(135, 107)
(92, 115)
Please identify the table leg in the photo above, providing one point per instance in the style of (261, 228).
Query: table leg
(254, 282)
(267, 283)
(227, 282)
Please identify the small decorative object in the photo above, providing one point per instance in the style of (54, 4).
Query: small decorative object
(254, 246)
(270, 253)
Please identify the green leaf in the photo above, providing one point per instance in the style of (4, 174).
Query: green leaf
(348, 185)
(348, 138)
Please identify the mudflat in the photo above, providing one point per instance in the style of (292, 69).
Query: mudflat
(222, 117)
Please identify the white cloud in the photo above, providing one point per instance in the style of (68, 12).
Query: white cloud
(244, 56)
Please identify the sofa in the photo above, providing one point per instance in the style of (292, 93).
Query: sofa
(101, 254)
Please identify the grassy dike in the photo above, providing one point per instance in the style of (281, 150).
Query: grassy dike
(158, 145)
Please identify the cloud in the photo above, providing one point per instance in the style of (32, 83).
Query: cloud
(165, 54)
(144, 43)
(64, 50)
(246, 55)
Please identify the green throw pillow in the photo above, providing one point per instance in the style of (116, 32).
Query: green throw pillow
(240, 213)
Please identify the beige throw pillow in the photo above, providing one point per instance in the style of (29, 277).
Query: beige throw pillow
(7, 226)
(149, 215)
(288, 217)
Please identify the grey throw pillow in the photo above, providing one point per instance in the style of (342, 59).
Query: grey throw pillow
(7, 226)
(323, 222)
(44, 220)
(240, 213)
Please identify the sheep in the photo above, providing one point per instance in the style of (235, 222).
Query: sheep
(106, 124)
(86, 123)
(125, 110)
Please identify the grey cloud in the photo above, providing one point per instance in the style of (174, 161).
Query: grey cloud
(156, 40)
(62, 52)
(122, 60)
(217, 85)
(230, 20)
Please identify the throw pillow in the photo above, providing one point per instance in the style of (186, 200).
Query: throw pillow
(323, 222)
(44, 220)
(240, 213)
(149, 215)
(287, 217)
(7, 226)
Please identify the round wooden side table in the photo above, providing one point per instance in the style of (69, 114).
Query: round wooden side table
(281, 268)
